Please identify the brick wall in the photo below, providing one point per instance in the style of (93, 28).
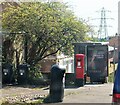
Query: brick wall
(46, 65)
(115, 41)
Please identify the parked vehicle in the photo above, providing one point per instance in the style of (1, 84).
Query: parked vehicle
(116, 88)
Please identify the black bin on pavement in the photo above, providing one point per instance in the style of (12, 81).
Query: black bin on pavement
(7, 73)
(56, 92)
(22, 74)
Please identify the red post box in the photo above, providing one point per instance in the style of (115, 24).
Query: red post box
(79, 69)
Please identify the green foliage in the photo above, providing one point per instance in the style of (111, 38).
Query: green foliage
(34, 73)
(111, 77)
(36, 77)
(93, 39)
(49, 28)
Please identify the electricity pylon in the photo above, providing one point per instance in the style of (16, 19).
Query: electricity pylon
(103, 31)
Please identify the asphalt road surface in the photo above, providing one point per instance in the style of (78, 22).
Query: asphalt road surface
(90, 93)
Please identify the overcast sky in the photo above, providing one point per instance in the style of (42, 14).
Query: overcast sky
(90, 10)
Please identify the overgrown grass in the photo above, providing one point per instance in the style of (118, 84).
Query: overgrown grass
(36, 102)
(111, 77)
(112, 69)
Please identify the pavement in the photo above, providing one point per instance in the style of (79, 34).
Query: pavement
(90, 93)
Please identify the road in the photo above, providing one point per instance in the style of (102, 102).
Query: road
(95, 93)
